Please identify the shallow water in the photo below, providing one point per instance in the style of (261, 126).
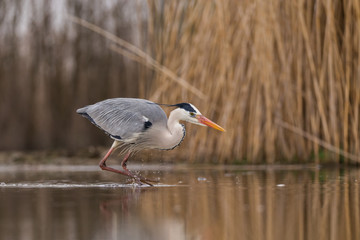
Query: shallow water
(191, 202)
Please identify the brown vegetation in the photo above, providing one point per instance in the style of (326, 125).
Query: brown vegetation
(281, 76)
(50, 67)
(263, 64)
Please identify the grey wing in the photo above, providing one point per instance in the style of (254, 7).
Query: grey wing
(124, 118)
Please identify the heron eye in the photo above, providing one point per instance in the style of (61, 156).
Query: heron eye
(192, 114)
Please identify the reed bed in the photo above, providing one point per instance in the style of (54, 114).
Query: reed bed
(50, 67)
(267, 68)
(282, 77)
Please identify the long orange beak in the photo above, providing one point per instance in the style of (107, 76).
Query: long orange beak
(209, 123)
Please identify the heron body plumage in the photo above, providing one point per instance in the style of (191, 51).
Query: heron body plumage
(137, 124)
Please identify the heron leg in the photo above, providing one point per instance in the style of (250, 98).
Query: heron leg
(126, 172)
(123, 163)
(113, 147)
(103, 166)
(142, 179)
(103, 161)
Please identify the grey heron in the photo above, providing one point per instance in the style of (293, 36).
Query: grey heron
(137, 124)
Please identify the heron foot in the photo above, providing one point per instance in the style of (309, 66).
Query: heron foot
(149, 180)
(138, 179)
(141, 180)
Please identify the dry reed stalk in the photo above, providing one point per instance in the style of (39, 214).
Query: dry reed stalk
(326, 145)
(261, 61)
(136, 54)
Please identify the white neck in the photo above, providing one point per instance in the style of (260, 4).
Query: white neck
(170, 137)
(173, 121)
(175, 132)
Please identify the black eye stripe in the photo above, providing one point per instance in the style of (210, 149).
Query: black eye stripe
(186, 106)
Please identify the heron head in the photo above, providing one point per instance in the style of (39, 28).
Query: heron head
(191, 114)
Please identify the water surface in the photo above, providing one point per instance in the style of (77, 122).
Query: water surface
(191, 202)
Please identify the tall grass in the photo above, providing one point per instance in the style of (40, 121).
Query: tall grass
(282, 77)
(263, 65)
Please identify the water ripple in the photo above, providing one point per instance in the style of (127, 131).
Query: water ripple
(75, 185)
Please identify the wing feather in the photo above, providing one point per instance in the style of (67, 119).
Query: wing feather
(124, 118)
